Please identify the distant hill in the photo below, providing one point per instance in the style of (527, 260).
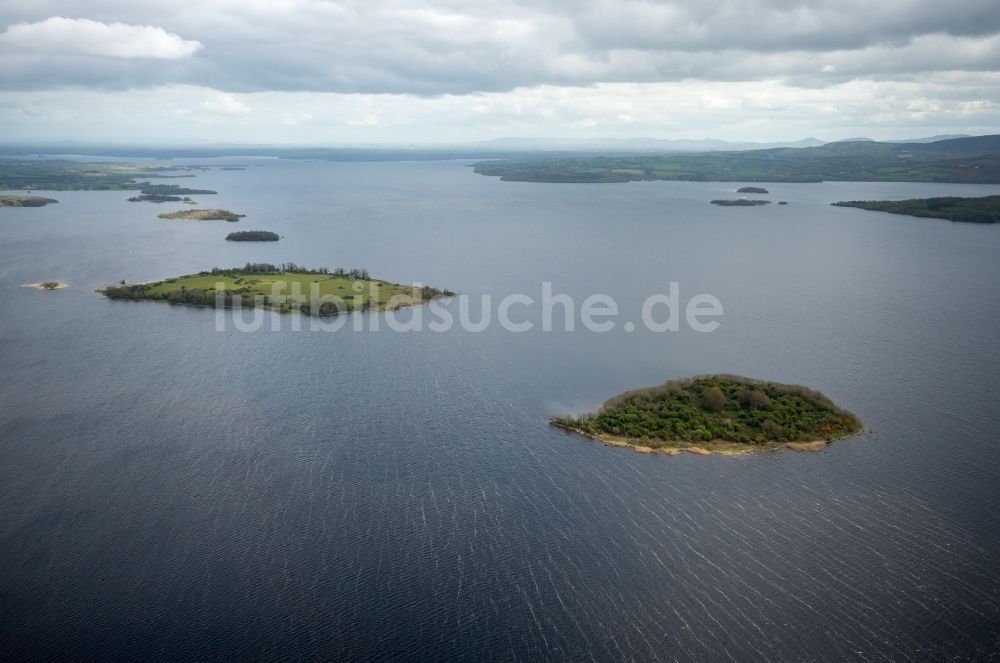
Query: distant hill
(972, 159)
(638, 144)
(931, 139)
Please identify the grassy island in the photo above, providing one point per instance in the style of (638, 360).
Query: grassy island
(740, 202)
(252, 236)
(202, 215)
(952, 208)
(283, 288)
(716, 413)
(752, 189)
(25, 201)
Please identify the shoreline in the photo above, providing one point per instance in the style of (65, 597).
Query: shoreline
(291, 311)
(711, 448)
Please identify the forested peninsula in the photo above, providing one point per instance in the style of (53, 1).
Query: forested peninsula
(965, 210)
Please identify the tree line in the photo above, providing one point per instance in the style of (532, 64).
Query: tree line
(287, 268)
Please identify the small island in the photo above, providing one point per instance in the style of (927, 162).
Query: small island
(25, 201)
(202, 215)
(716, 414)
(148, 189)
(159, 198)
(252, 236)
(752, 189)
(285, 288)
(964, 210)
(47, 285)
(740, 202)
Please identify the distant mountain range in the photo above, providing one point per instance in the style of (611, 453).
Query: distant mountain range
(492, 149)
(929, 139)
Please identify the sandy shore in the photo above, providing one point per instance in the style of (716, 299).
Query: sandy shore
(815, 445)
(38, 286)
(713, 448)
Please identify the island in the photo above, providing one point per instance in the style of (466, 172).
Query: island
(985, 209)
(752, 189)
(25, 201)
(284, 288)
(47, 285)
(740, 202)
(148, 189)
(211, 214)
(159, 198)
(252, 236)
(716, 414)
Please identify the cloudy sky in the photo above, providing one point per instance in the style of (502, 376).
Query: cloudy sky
(329, 72)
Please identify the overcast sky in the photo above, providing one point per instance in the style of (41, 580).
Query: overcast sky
(316, 71)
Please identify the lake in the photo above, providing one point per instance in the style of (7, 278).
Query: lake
(173, 492)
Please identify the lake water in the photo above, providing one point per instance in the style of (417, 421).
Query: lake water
(173, 492)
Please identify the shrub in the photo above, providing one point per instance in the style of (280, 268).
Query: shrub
(755, 400)
(712, 399)
(773, 430)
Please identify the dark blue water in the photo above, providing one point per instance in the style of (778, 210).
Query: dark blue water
(172, 492)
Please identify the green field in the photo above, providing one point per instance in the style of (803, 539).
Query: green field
(724, 413)
(296, 289)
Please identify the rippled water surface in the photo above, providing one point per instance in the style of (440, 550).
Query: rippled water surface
(173, 492)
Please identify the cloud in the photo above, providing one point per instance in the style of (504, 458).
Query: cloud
(399, 68)
(466, 46)
(226, 105)
(950, 102)
(80, 36)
